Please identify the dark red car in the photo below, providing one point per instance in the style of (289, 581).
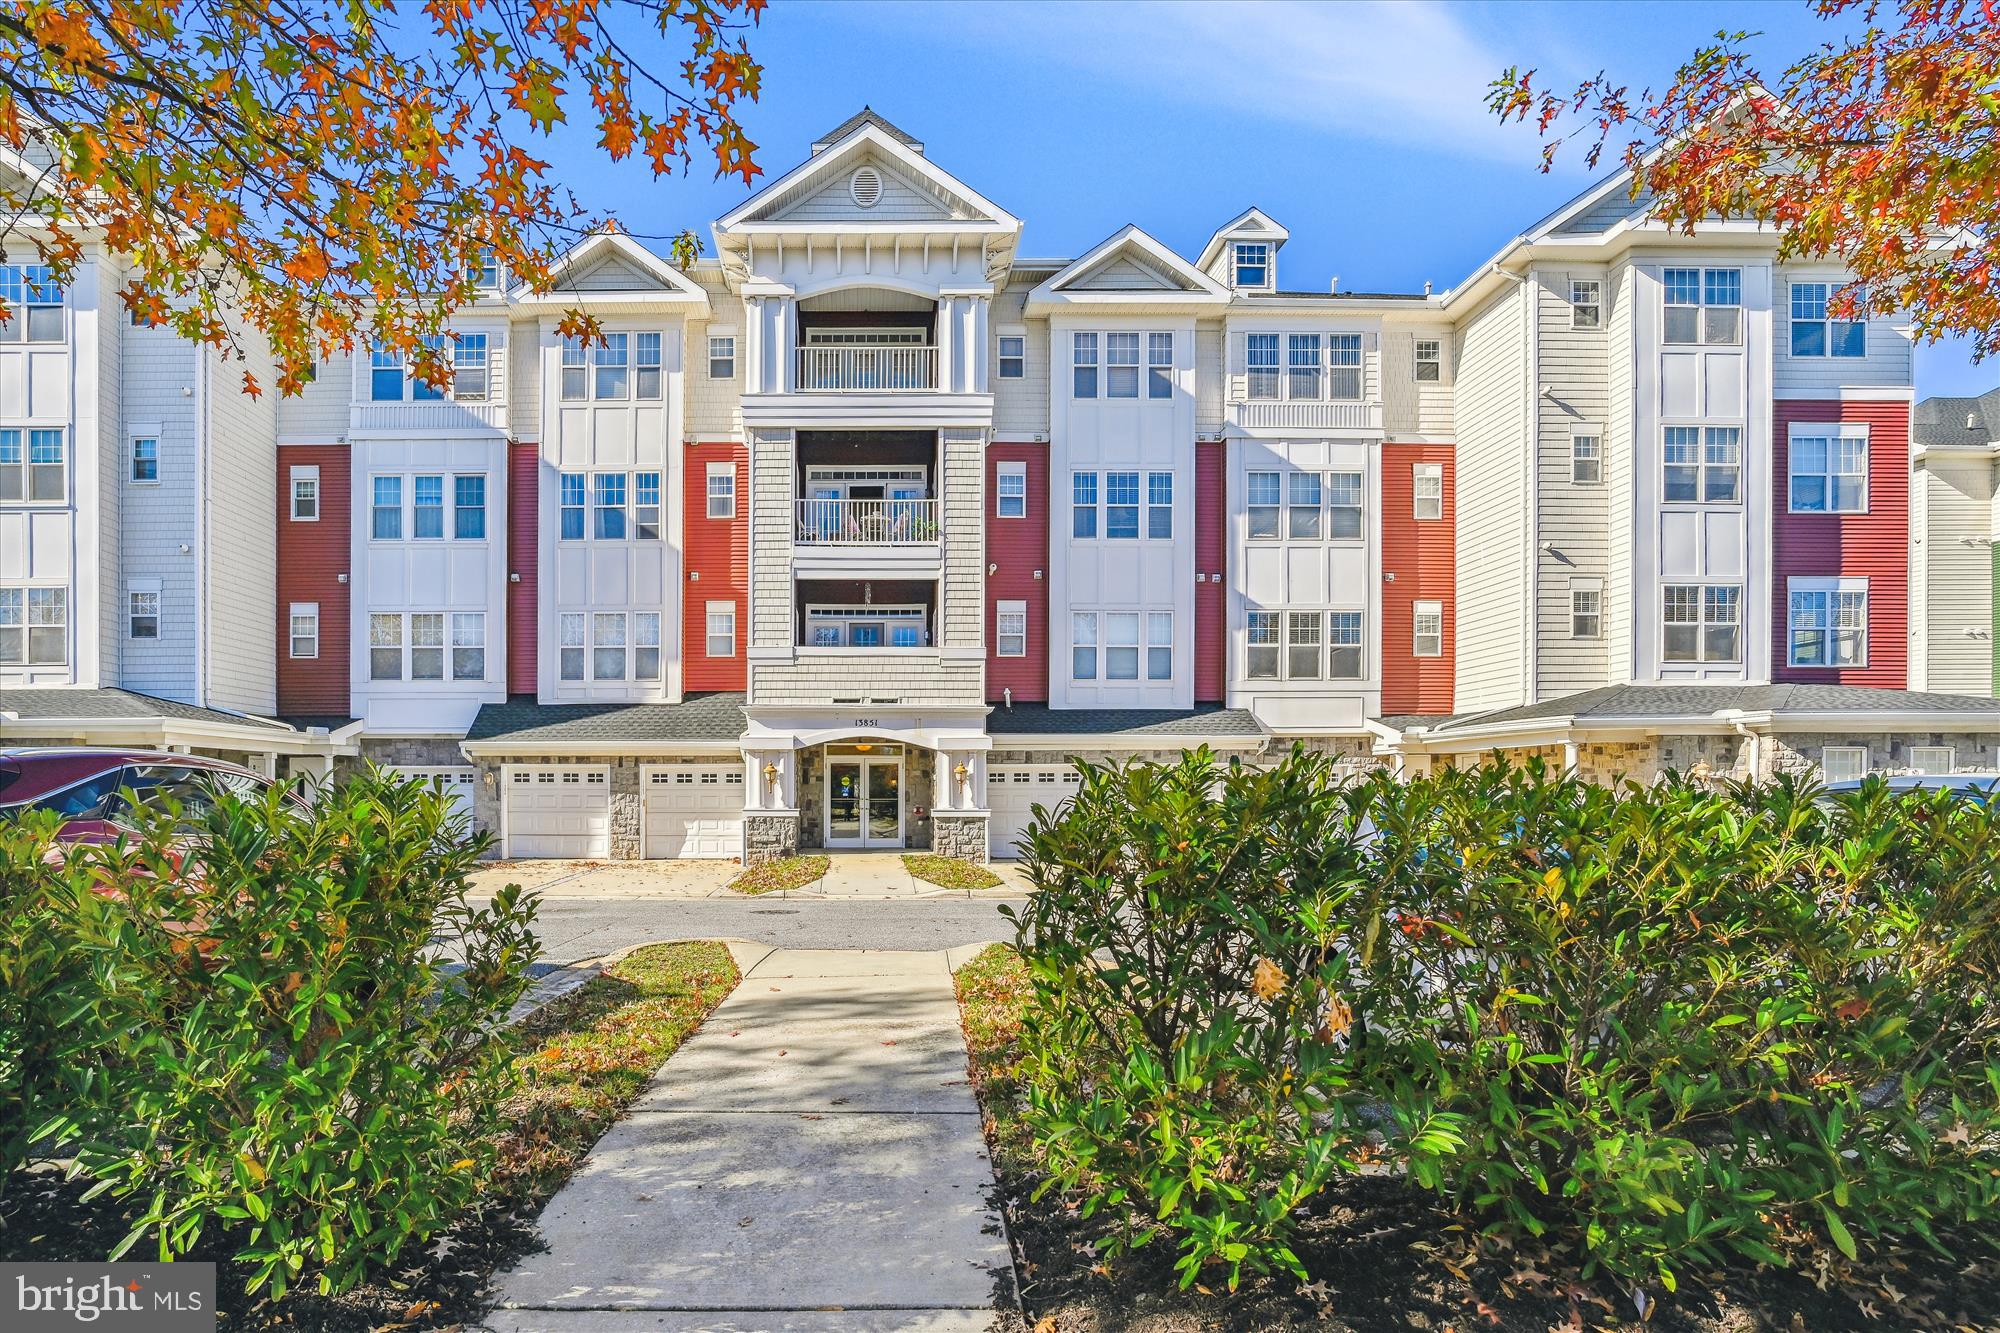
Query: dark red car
(87, 786)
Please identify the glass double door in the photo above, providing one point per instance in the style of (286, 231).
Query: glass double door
(864, 803)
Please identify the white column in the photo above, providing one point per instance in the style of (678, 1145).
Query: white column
(979, 378)
(947, 343)
(784, 341)
(753, 346)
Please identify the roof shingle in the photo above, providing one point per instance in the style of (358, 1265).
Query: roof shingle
(702, 717)
(69, 704)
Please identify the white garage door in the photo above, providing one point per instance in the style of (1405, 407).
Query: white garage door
(453, 782)
(694, 810)
(562, 812)
(1013, 791)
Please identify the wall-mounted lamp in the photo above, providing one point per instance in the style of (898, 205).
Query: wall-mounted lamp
(963, 774)
(694, 576)
(992, 569)
(1388, 576)
(1038, 576)
(340, 578)
(770, 775)
(513, 578)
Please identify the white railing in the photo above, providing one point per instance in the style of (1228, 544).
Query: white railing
(1301, 414)
(428, 418)
(862, 368)
(880, 522)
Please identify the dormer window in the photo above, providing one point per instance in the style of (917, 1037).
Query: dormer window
(1253, 264)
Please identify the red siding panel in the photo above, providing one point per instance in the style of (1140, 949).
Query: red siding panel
(311, 558)
(1874, 545)
(524, 472)
(718, 569)
(1420, 554)
(1210, 517)
(1018, 548)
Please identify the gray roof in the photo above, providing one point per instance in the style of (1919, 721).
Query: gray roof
(1668, 702)
(1334, 296)
(67, 704)
(702, 717)
(866, 116)
(1042, 720)
(1942, 421)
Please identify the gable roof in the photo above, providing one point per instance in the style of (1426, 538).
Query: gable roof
(1128, 267)
(1957, 422)
(874, 140)
(627, 267)
(1252, 223)
(865, 116)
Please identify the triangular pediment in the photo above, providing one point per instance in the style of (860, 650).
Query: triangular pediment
(1252, 224)
(1130, 266)
(823, 192)
(613, 264)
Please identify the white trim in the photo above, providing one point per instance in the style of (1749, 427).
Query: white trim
(1851, 393)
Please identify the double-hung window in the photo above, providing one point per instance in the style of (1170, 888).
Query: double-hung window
(1160, 505)
(1083, 645)
(1829, 474)
(611, 367)
(1010, 629)
(1586, 609)
(722, 490)
(1303, 506)
(1343, 645)
(646, 368)
(427, 646)
(1586, 303)
(305, 494)
(145, 458)
(427, 508)
(719, 629)
(31, 465)
(1701, 463)
(142, 608)
(570, 627)
(1121, 505)
(1302, 645)
(1586, 458)
(34, 626)
(1252, 263)
(1159, 645)
(1426, 491)
(1427, 629)
(34, 304)
(1010, 491)
(645, 645)
(607, 645)
(1261, 365)
(722, 356)
(385, 646)
(1264, 638)
(646, 506)
(1703, 306)
(1302, 358)
(469, 371)
(304, 629)
(1262, 502)
(1343, 506)
(1814, 330)
(1083, 365)
(385, 520)
(572, 506)
(575, 383)
(1083, 504)
(1013, 356)
(1428, 368)
(468, 507)
(1829, 622)
(607, 507)
(1121, 365)
(1159, 365)
(468, 645)
(1121, 645)
(1700, 622)
(1343, 366)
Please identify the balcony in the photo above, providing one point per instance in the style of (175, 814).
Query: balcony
(868, 368)
(866, 615)
(867, 522)
(1278, 416)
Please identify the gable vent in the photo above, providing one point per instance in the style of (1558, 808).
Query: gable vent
(866, 187)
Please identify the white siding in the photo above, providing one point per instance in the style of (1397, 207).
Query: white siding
(242, 493)
(1020, 407)
(1410, 408)
(1574, 519)
(1620, 469)
(157, 526)
(1888, 362)
(319, 414)
(1953, 611)
(1492, 463)
(715, 406)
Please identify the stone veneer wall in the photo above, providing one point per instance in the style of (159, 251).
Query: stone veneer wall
(1798, 751)
(769, 837)
(919, 785)
(959, 836)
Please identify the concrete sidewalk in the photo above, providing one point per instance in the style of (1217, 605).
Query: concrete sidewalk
(810, 1161)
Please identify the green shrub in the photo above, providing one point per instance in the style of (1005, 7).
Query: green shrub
(1655, 1026)
(1185, 1064)
(292, 1059)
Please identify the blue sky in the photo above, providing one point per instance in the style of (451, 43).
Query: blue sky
(1359, 126)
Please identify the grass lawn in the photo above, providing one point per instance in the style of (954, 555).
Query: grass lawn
(948, 872)
(1388, 1261)
(582, 1060)
(787, 872)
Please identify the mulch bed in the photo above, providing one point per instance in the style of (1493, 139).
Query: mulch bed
(585, 1058)
(1385, 1259)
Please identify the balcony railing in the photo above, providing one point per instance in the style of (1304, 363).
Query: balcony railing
(1307, 414)
(865, 368)
(868, 522)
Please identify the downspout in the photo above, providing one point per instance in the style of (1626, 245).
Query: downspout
(205, 449)
(1753, 749)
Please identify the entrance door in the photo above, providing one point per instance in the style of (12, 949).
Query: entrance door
(864, 803)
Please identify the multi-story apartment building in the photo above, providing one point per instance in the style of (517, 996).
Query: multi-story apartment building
(856, 534)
